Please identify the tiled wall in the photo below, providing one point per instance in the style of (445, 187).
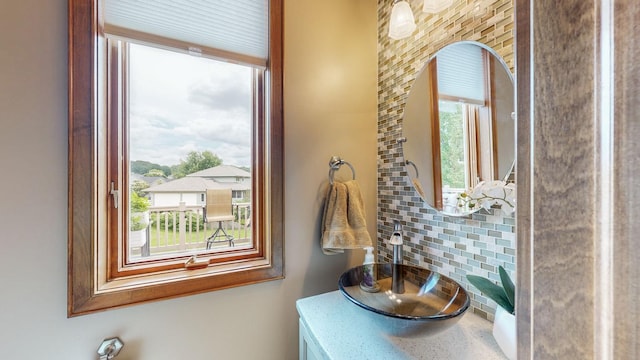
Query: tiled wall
(453, 246)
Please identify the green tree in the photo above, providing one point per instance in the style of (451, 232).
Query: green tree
(194, 162)
(155, 173)
(138, 203)
(452, 147)
(142, 167)
(137, 186)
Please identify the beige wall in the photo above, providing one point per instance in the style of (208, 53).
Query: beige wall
(330, 109)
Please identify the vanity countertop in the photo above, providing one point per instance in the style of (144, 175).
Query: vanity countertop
(343, 331)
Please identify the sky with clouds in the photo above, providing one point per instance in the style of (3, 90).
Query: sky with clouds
(181, 103)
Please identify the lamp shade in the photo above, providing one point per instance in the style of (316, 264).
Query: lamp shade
(402, 23)
(435, 6)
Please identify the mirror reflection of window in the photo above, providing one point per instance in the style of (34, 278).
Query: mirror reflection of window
(452, 145)
(471, 84)
(462, 74)
(467, 149)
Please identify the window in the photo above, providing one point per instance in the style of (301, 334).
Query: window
(163, 104)
(463, 115)
(159, 115)
(238, 195)
(452, 145)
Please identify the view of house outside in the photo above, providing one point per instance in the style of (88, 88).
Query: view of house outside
(190, 121)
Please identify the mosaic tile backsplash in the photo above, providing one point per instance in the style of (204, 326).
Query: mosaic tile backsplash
(453, 246)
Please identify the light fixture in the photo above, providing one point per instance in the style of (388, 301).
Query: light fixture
(435, 6)
(402, 24)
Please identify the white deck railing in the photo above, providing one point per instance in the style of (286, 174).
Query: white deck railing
(182, 228)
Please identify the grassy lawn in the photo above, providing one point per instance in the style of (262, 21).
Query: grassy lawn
(164, 238)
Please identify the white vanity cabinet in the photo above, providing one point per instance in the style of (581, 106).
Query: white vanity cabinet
(332, 328)
(309, 350)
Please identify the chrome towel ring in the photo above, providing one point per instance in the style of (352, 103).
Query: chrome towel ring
(335, 163)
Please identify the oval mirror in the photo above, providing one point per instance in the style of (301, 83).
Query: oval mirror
(458, 125)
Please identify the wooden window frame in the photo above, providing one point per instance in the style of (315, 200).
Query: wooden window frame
(473, 168)
(435, 132)
(117, 118)
(90, 287)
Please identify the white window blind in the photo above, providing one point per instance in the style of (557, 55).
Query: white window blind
(234, 26)
(461, 72)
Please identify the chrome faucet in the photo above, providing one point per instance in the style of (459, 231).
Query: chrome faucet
(397, 276)
(396, 241)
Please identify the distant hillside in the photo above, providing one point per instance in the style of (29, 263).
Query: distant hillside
(142, 167)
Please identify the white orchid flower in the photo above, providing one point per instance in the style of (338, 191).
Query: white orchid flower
(489, 193)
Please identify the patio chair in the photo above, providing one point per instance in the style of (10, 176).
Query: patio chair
(219, 209)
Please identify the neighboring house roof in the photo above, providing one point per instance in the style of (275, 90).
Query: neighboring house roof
(221, 171)
(195, 184)
(151, 180)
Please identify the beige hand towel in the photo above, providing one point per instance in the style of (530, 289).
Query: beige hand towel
(343, 221)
